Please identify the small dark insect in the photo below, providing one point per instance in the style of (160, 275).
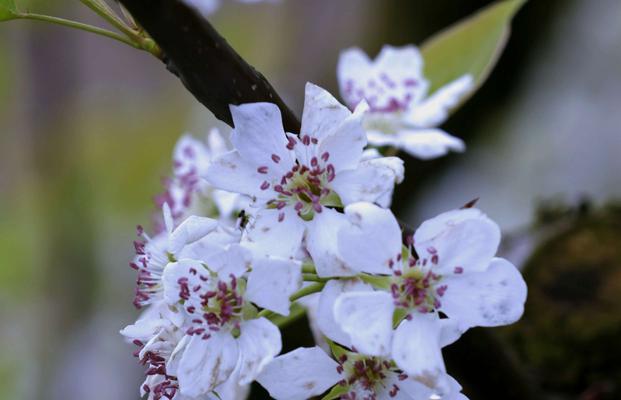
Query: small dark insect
(242, 220)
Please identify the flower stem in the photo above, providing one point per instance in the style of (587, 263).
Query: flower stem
(297, 312)
(305, 291)
(308, 267)
(137, 35)
(105, 12)
(79, 25)
(314, 278)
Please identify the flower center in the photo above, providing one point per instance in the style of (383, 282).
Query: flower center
(366, 376)
(214, 304)
(304, 187)
(416, 286)
(159, 384)
(383, 93)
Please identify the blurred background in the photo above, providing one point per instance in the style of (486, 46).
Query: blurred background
(87, 127)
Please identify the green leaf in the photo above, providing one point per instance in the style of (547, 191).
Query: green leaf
(470, 46)
(8, 10)
(377, 281)
(336, 393)
(398, 316)
(337, 351)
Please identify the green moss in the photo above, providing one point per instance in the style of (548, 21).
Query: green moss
(572, 324)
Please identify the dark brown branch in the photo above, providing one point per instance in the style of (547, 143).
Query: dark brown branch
(206, 64)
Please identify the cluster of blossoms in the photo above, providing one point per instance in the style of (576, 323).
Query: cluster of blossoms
(315, 227)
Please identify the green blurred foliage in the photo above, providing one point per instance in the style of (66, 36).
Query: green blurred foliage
(7, 10)
(470, 46)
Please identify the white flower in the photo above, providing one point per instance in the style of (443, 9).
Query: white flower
(224, 340)
(402, 115)
(158, 337)
(307, 372)
(294, 180)
(153, 254)
(208, 7)
(455, 273)
(187, 193)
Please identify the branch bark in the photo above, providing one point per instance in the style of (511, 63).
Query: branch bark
(202, 59)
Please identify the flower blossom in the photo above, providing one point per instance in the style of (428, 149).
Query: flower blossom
(402, 114)
(295, 181)
(157, 336)
(208, 7)
(186, 193)
(450, 269)
(307, 372)
(224, 341)
(153, 254)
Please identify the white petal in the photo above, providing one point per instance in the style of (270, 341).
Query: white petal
(428, 143)
(322, 113)
(205, 7)
(373, 181)
(170, 277)
(300, 374)
(393, 82)
(311, 304)
(435, 109)
(416, 349)
(206, 363)
(367, 318)
(493, 297)
(229, 389)
(353, 71)
(346, 142)
(464, 241)
(399, 72)
(371, 238)
(259, 343)
(168, 219)
(190, 156)
(143, 329)
(189, 231)
(216, 143)
(215, 242)
(409, 389)
(259, 136)
(272, 281)
(230, 172)
(235, 260)
(321, 243)
(450, 331)
(402, 62)
(266, 236)
(454, 392)
(325, 310)
(227, 202)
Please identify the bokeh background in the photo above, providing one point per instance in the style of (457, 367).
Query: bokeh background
(87, 127)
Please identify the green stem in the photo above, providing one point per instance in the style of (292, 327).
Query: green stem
(305, 291)
(308, 267)
(105, 12)
(138, 36)
(314, 278)
(80, 26)
(297, 311)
